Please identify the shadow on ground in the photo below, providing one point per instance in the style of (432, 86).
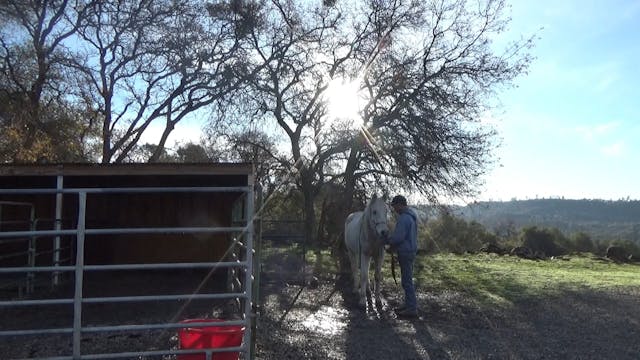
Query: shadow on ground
(299, 321)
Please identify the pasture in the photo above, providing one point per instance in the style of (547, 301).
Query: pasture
(471, 307)
(502, 280)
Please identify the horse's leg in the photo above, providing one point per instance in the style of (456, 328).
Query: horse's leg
(365, 261)
(377, 262)
(354, 269)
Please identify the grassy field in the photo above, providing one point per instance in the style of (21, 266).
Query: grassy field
(492, 279)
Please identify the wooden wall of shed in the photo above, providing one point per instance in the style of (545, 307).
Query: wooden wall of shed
(158, 210)
(124, 210)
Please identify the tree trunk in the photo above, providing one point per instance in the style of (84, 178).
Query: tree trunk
(309, 214)
(350, 178)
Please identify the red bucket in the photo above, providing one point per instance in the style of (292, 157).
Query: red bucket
(209, 337)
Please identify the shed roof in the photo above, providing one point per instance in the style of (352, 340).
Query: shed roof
(76, 169)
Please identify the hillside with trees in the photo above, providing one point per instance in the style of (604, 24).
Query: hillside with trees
(603, 220)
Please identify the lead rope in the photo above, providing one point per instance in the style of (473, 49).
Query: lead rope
(393, 268)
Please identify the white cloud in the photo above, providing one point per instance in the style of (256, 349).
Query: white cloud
(599, 77)
(615, 149)
(593, 131)
(604, 75)
(188, 132)
(606, 81)
(184, 132)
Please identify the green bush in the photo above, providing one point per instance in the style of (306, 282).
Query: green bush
(582, 243)
(543, 240)
(629, 246)
(449, 233)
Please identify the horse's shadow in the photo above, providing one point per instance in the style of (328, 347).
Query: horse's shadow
(386, 337)
(372, 309)
(379, 309)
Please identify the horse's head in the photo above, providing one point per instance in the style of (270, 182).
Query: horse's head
(377, 218)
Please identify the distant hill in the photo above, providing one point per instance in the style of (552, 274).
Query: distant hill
(602, 219)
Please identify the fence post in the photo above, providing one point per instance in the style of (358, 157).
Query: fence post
(248, 283)
(256, 270)
(31, 251)
(55, 280)
(79, 272)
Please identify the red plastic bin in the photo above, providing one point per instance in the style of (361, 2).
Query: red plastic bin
(214, 336)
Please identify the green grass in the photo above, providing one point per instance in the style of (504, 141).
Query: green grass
(491, 279)
(326, 263)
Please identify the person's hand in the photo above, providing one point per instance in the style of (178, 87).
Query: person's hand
(388, 248)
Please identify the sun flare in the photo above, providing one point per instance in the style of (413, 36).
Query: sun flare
(344, 102)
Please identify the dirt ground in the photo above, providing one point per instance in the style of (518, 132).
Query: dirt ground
(320, 320)
(309, 320)
(324, 323)
(106, 314)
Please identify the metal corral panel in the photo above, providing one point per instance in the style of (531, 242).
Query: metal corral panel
(132, 210)
(126, 248)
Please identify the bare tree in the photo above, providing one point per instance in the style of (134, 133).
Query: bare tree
(37, 92)
(119, 65)
(429, 90)
(258, 148)
(158, 61)
(289, 89)
(425, 70)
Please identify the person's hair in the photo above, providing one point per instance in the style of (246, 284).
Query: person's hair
(399, 200)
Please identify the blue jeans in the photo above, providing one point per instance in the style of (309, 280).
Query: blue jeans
(406, 270)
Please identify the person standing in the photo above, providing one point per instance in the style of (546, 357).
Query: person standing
(404, 241)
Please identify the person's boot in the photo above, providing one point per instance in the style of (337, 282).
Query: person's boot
(407, 313)
(399, 308)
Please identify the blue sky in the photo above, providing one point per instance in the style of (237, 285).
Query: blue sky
(572, 126)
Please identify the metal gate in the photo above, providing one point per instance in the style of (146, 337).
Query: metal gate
(25, 248)
(283, 253)
(78, 300)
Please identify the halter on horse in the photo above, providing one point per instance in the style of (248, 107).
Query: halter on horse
(364, 235)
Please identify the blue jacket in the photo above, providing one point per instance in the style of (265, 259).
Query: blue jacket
(405, 236)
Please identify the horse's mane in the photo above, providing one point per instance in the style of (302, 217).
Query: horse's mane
(366, 216)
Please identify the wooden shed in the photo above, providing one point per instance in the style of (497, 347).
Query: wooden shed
(93, 247)
(152, 196)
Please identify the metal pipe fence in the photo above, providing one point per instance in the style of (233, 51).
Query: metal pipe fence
(241, 262)
(30, 250)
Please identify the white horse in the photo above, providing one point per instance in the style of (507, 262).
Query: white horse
(364, 233)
